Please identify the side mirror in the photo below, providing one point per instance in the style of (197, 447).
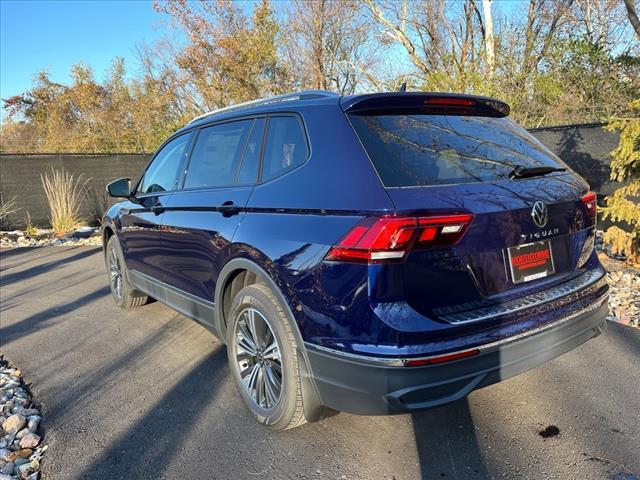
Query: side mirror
(120, 188)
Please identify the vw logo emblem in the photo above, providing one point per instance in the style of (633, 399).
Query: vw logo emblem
(540, 214)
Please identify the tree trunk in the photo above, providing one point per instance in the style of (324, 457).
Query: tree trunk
(489, 41)
(633, 16)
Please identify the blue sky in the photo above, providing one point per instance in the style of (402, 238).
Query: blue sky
(55, 34)
(37, 34)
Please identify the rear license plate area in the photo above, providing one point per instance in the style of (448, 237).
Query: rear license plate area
(530, 261)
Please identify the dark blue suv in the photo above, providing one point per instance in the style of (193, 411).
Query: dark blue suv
(372, 254)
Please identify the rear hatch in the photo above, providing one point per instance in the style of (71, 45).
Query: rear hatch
(531, 219)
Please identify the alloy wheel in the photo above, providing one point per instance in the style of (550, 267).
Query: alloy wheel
(258, 358)
(115, 274)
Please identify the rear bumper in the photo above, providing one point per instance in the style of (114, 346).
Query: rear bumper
(378, 386)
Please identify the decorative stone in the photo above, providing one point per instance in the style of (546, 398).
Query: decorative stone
(32, 426)
(27, 412)
(14, 423)
(24, 453)
(8, 468)
(23, 470)
(30, 440)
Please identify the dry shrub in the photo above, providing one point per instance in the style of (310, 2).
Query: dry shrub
(7, 207)
(99, 202)
(65, 194)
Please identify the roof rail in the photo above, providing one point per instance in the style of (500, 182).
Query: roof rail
(287, 97)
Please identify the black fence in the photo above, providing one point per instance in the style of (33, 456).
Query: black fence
(20, 179)
(585, 148)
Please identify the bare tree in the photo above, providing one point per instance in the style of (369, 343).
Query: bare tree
(437, 36)
(328, 45)
(605, 22)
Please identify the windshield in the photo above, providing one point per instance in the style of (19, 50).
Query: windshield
(420, 150)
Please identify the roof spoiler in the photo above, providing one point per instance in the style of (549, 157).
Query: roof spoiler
(426, 103)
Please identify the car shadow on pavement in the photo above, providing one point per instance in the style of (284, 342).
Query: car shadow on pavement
(625, 334)
(46, 317)
(147, 448)
(11, 252)
(447, 444)
(29, 273)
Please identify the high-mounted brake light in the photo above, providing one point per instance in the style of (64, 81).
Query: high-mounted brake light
(450, 101)
(389, 239)
(590, 201)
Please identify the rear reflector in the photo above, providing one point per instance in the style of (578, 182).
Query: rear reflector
(590, 201)
(389, 239)
(441, 359)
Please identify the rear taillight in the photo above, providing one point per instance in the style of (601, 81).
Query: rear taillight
(590, 201)
(389, 239)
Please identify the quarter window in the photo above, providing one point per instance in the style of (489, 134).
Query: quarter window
(162, 173)
(216, 156)
(286, 146)
(248, 173)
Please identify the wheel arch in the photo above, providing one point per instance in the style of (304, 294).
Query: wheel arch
(244, 272)
(236, 274)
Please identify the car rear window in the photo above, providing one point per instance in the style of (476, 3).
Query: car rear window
(420, 150)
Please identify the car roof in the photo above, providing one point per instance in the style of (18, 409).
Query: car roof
(267, 105)
(323, 97)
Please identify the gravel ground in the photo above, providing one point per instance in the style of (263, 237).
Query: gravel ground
(86, 236)
(147, 394)
(20, 445)
(624, 293)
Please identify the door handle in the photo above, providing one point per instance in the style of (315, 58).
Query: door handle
(229, 208)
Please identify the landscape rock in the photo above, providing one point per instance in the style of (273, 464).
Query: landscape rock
(82, 236)
(24, 453)
(14, 423)
(24, 470)
(32, 426)
(27, 412)
(30, 440)
(8, 468)
(20, 453)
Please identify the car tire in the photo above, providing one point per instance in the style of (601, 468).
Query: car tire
(122, 292)
(256, 372)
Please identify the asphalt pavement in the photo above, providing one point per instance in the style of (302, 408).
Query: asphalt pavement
(147, 394)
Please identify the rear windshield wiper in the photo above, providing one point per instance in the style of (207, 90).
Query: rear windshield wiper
(526, 172)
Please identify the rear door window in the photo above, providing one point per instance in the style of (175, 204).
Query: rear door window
(285, 147)
(217, 154)
(420, 150)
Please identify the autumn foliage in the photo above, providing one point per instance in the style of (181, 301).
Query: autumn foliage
(554, 61)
